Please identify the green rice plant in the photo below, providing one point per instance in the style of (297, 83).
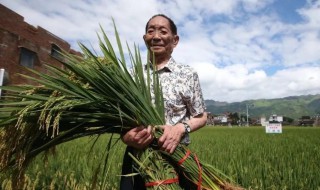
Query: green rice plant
(92, 96)
(258, 161)
(254, 159)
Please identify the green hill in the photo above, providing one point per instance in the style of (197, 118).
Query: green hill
(293, 106)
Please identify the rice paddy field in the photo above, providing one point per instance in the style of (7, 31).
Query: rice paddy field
(254, 159)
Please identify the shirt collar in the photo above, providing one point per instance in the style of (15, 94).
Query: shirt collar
(170, 66)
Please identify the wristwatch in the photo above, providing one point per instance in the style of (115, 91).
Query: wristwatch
(187, 127)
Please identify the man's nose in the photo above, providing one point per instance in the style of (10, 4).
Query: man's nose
(156, 35)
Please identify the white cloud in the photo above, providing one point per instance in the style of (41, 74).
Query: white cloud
(255, 5)
(231, 83)
(233, 56)
(236, 83)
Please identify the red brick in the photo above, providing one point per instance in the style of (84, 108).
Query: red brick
(15, 33)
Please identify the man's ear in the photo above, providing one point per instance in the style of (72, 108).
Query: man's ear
(144, 38)
(175, 40)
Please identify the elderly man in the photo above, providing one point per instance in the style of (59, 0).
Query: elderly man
(184, 104)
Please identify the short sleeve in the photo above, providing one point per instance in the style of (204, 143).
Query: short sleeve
(196, 104)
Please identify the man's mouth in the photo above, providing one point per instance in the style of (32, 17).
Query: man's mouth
(156, 46)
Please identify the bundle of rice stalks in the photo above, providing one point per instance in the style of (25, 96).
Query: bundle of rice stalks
(156, 171)
(92, 96)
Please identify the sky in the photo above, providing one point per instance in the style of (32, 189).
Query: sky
(241, 49)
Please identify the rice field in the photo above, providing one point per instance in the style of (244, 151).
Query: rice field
(254, 159)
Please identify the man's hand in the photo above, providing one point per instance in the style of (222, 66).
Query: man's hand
(138, 137)
(171, 137)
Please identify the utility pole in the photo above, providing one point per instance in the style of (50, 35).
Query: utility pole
(316, 122)
(248, 105)
(1, 78)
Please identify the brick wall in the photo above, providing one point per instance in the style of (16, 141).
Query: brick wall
(15, 34)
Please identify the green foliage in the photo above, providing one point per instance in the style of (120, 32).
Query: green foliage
(75, 165)
(256, 160)
(292, 107)
(91, 96)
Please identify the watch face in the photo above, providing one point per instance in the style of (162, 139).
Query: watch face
(188, 129)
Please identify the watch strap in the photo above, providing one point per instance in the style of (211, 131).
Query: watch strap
(187, 127)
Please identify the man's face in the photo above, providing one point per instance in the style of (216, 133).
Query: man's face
(159, 37)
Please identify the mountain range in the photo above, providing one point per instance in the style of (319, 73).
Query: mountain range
(293, 106)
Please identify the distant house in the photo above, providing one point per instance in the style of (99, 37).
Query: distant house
(275, 119)
(221, 119)
(210, 119)
(217, 119)
(316, 121)
(23, 45)
(306, 121)
(263, 121)
(272, 119)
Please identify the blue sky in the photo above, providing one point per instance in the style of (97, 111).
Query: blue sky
(241, 49)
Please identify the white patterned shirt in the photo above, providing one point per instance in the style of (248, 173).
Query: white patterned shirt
(182, 93)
